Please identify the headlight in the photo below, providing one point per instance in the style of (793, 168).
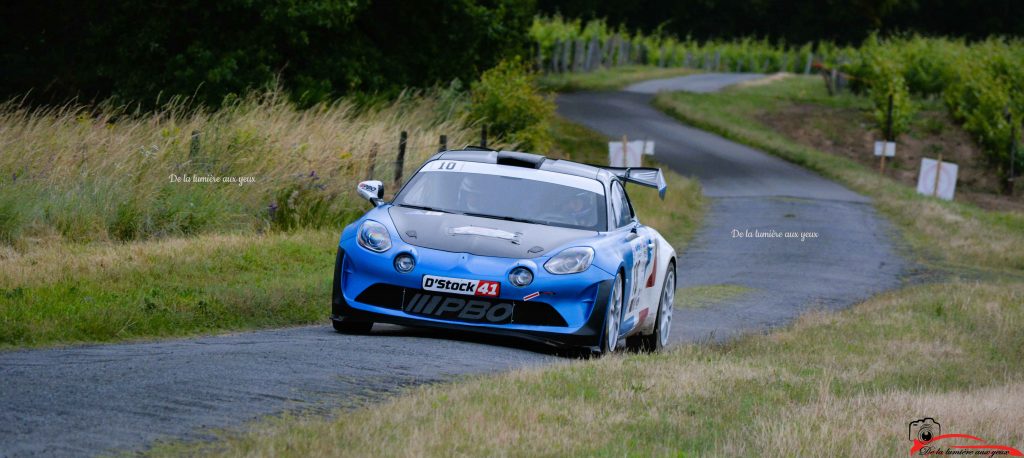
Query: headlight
(404, 263)
(520, 276)
(570, 260)
(374, 237)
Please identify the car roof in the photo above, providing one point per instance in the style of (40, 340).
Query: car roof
(527, 160)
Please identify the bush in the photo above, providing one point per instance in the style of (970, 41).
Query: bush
(306, 204)
(507, 101)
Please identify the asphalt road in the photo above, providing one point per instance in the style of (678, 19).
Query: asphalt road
(853, 256)
(90, 400)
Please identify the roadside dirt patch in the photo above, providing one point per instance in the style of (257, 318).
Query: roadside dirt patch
(847, 132)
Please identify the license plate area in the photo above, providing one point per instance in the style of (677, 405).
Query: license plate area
(458, 308)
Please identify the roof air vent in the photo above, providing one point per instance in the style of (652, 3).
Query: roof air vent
(530, 161)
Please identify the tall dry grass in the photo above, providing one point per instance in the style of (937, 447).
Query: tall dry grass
(82, 173)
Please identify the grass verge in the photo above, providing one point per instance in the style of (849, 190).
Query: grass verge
(74, 293)
(952, 234)
(708, 295)
(831, 385)
(607, 79)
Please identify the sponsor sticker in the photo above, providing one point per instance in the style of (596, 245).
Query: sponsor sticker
(461, 286)
(537, 294)
(457, 308)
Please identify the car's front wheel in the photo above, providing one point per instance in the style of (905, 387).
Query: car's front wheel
(613, 318)
(352, 327)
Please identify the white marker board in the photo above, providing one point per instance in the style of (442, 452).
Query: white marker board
(946, 175)
(632, 155)
(648, 147)
(887, 148)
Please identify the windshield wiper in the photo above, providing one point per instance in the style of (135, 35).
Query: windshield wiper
(506, 218)
(421, 207)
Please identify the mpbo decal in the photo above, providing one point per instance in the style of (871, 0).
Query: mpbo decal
(454, 308)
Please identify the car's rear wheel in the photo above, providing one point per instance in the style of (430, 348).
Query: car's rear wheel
(352, 327)
(658, 340)
(612, 318)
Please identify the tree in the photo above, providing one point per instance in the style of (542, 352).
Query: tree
(316, 49)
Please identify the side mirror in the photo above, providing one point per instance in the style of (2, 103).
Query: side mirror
(372, 191)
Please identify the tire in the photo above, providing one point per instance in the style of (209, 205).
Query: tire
(612, 318)
(352, 327)
(658, 340)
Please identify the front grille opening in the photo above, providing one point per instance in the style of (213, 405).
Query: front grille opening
(527, 313)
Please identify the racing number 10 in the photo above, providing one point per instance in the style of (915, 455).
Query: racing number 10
(445, 165)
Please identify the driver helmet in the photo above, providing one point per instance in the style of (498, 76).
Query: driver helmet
(580, 208)
(472, 193)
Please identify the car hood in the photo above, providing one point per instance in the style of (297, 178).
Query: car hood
(480, 236)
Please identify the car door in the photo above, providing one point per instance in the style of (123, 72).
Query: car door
(638, 251)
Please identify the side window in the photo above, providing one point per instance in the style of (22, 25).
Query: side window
(621, 213)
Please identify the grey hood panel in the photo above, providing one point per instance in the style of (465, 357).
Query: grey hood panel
(480, 236)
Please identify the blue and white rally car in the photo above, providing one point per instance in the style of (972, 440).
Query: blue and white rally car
(513, 244)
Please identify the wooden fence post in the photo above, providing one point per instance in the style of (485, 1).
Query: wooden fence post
(193, 149)
(605, 58)
(566, 54)
(444, 143)
(589, 54)
(938, 174)
(888, 138)
(556, 52)
(1011, 177)
(538, 65)
(577, 58)
(483, 135)
(400, 161)
(373, 161)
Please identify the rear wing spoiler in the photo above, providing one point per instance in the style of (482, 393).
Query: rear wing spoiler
(643, 176)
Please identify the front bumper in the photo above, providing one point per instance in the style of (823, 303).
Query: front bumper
(575, 308)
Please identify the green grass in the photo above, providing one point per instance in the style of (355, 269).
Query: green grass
(951, 235)
(607, 79)
(708, 295)
(73, 293)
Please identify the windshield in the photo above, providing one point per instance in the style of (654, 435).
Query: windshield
(504, 197)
